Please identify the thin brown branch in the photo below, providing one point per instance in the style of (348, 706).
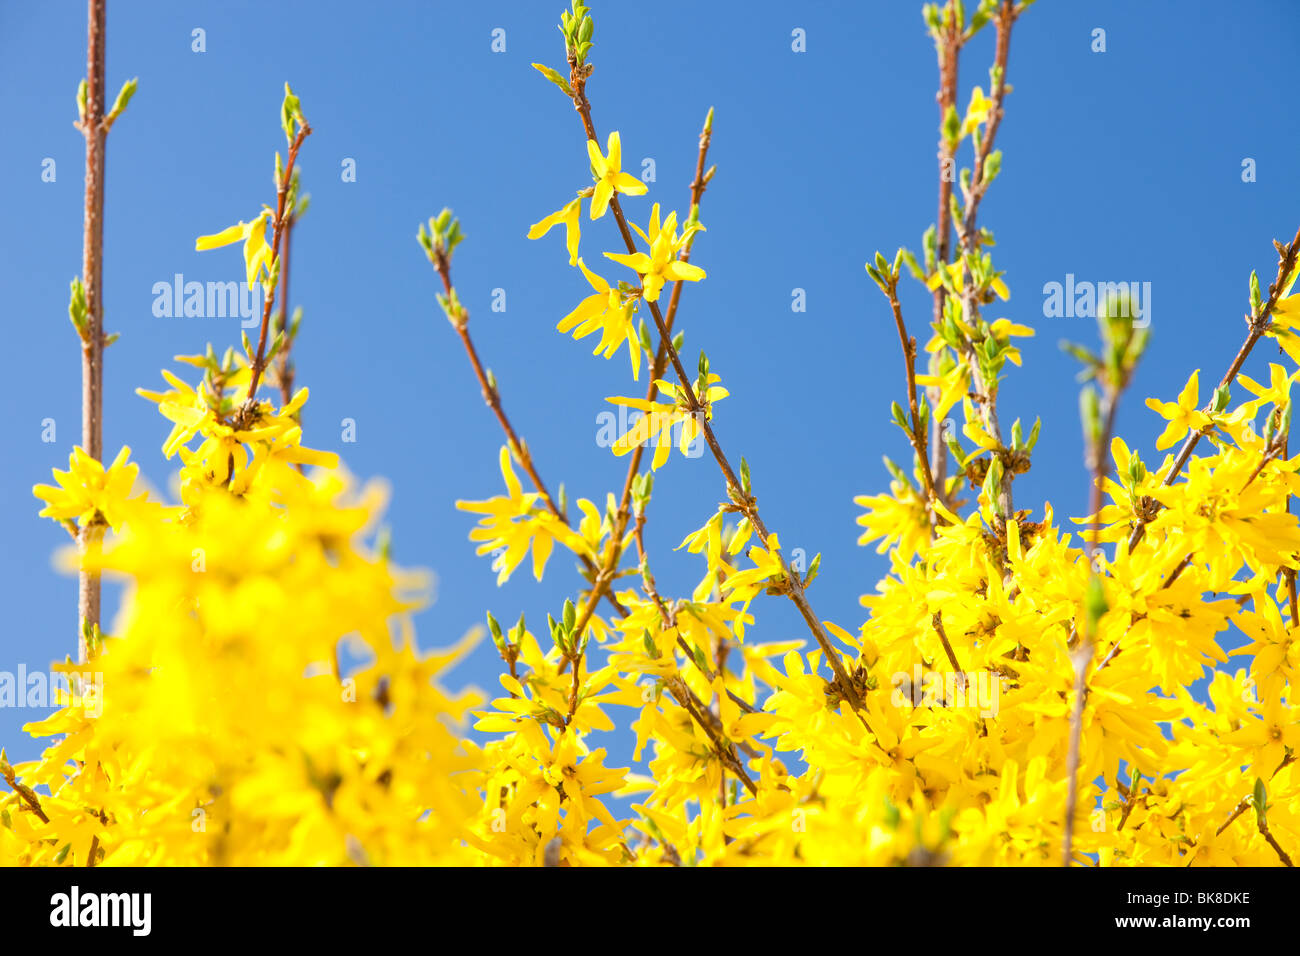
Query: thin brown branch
(26, 793)
(1259, 326)
(794, 588)
(937, 622)
(284, 373)
(277, 232)
(1261, 824)
(92, 275)
(726, 753)
(1241, 808)
(917, 435)
(669, 619)
(948, 48)
(492, 396)
(1099, 460)
(985, 392)
(614, 548)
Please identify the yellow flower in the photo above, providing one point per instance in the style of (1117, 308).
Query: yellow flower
(514, 523)
(1183, 414)
(658, 420)
(258, 255)
(1278, 391)
(222, 456)
(89, 493)
(977, 112)
(744, 586)
(607, 311)
(662, 264)
(609, 175)
(569, 214)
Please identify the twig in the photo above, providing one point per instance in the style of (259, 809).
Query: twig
(915, 436)
(1261, 824)
(28, 795)
(614, 548)
(92, 272)
(726, 753)
(948, 48)
(491, 395)
(284, 373)
(1098, 458)
(794, 589)
(986, 392)
(278, 227)
(1259, 325)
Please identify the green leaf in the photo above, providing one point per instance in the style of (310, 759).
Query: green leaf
(899, 418)
(555, 77)
(123, 98)
(951, 125)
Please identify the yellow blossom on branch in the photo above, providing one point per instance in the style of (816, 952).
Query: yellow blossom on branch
(513, 524)
(662, 264)
(569, 214)
(1183, 414)
(609, 311)
(658, 420)
(258, 253)
(89, 493)
(607, 170)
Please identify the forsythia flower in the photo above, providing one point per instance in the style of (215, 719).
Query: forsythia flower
(217, 727)
(258, 254)
(517, 522)
(228, 434)
(89, 493)
(977, 111)
(605, 310)
(662, 264)
(658, 420)
(1184, 414)
(609, 175)
(569, 214)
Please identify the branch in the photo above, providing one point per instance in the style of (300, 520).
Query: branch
(578, 79)
(948, 47)
(442, 264)
(915, 436)
(28, 795)
(1099, 435)
(281, 220)
(92, 272)
(1259, 325)
(986, 392)
(614, 548)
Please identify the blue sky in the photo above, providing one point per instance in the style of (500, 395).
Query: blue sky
(1123, 165)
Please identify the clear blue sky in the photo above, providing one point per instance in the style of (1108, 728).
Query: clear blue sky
(1123, 165)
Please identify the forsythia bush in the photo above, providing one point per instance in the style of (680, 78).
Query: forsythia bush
(1018, 693)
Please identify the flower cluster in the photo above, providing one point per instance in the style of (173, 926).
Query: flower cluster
(1016, 685)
